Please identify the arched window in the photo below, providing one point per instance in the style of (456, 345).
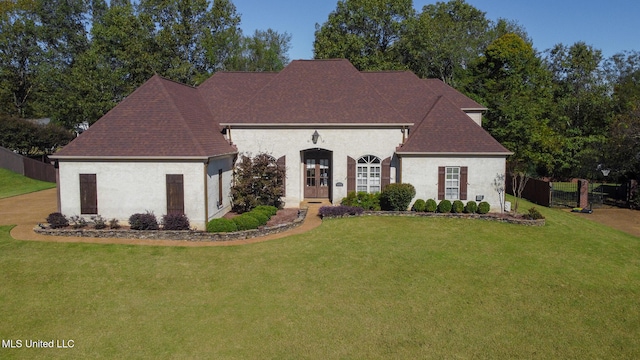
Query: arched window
(368, 174)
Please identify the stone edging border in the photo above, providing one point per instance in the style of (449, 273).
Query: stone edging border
(488, 217)
(185, 235)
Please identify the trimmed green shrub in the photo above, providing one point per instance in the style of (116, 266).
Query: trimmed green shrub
(534, 214)
(483, 207)
(246, 222)
(471, 207)
(146, 221)
(175, 222)
(267, 209)
(444, 206)
(221, 225)
(397, 197)
(362, 200)
(56, 220)
(457, 207)
(430, 206)
(260, 216)
(419, 206)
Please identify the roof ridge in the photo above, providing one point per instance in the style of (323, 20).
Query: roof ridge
(183, 121)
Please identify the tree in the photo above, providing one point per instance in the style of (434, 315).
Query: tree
(257, 181)
(264, 51)
(366, 32)
(444, 39)
(28, 138)
(511, 81)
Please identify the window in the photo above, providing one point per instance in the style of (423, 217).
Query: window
(452, 183)
(88, 194)
(368, 174)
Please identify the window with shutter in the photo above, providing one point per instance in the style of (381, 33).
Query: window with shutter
(88, 194)
(175, 194)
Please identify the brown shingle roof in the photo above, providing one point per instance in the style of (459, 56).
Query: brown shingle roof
(317, 92)
(447, 129)
(456, 97)
(160, 119)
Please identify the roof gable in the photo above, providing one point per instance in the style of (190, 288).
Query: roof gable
(159, 119)
(447, 129)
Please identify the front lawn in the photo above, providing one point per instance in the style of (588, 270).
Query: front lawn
(12, 184)
(366, 288)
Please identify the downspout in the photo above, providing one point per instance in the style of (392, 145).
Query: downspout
(56, 165)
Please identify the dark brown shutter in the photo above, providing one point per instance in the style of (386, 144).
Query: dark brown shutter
(386, 172)
(219, 187)
(175, 194)
(281, 163)
(351, 174)
(88, 194)
(463, 182)
(441, 173)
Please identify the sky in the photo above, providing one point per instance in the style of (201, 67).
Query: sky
(610, 26)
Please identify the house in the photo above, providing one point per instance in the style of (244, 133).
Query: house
(169, 147)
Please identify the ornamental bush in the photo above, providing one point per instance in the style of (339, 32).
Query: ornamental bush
(430, 206)
(419, 206)
(267, 209)
(175, 222)
(257, 181)
(260, 216)
(246, 222)
(99, 222)
(146, 221)
(221, 225)
(471, 207)
(534, 214)
(341, 210)
(397, 197)
(457, 207)
(362, 199)
(444, 206)
(56, 220)
(483, 207)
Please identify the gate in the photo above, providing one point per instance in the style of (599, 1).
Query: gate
(564, 194)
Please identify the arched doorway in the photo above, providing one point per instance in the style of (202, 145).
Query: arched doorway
(317, 173)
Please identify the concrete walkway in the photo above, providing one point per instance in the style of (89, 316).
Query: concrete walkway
(26, 211)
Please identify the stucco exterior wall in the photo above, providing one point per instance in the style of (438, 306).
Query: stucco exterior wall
(216, 208)
(343, 142)
(126, 188)
(422, 172)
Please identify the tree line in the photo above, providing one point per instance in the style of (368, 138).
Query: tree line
(74, 60)
(564, 112)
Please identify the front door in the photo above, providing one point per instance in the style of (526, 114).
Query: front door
(317, 174)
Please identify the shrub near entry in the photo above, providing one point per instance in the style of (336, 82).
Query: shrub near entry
(457, 207)
(430, 206)
(444, 206)
(419, 206)
(221, 225)
(397, 196)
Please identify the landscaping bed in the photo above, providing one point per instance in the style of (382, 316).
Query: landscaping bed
(504, 217)
(284, 220)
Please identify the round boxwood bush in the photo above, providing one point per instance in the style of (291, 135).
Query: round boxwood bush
(471, 207)
(444, 206)
(246, 222)
(56, 220)
(430, 206)
(260, 216)
(268, 209)
(457, 207)
(397, 197)
(221, 225)
(419, 206)
(483, 207)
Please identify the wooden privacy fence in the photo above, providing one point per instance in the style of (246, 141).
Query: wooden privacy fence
(537, 191)
(28, 167)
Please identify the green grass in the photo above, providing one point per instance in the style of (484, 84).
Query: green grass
(363, 288)
(12, 184)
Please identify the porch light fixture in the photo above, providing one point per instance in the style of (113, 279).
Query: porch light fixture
(315, 137)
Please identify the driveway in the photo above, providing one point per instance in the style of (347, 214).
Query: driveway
(26, 211)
